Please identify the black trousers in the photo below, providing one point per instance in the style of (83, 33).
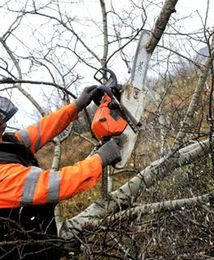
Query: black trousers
(29, 233)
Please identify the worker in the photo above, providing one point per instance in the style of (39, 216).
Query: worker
(28, 193)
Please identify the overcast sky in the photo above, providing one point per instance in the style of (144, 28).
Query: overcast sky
(192, 7)
(183, 7)
(189, 8)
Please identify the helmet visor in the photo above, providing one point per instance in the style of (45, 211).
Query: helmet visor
(7, 109)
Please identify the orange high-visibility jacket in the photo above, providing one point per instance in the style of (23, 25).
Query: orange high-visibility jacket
(21, 185)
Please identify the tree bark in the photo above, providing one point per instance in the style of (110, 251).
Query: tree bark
(139, 210)
(161, 23)
(128, 193)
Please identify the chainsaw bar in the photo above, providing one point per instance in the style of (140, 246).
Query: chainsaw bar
(134, 98)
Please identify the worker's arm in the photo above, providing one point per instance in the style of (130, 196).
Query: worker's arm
(22, 186)
(37, 135)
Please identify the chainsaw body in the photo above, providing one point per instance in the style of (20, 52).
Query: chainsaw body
(111, 119)
(107, 121)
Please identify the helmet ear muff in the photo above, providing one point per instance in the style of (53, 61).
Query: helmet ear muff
(7, 109)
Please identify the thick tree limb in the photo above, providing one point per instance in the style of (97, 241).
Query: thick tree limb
(127, 194)
(140, 210)
(161, 23)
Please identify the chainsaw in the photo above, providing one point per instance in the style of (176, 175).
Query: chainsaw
(110, 118)
(120, 110)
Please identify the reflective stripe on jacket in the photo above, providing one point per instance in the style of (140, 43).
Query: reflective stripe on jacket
(21, 185)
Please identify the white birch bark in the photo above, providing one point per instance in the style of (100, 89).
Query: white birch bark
(127, 194)
(140, 210)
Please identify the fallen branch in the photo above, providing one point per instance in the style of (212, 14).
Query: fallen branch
(139, 210)
(127, 194)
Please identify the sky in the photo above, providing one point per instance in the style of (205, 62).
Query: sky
(192, 7)
(189, 9)
(183, 7)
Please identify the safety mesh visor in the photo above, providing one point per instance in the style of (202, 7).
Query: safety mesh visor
(7, 109)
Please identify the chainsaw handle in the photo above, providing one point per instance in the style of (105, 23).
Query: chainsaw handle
(100, 91)
(108, 85)
(107, 77)
(105, 89)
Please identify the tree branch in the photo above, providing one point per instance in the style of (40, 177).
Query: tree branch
(23, 91)
(187, 121)
(128, 193)
(161, 23)
(17, 81)
(105, 33)
(139, 210)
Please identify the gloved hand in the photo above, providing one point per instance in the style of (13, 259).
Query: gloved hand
(86, 97)
(109, 153)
